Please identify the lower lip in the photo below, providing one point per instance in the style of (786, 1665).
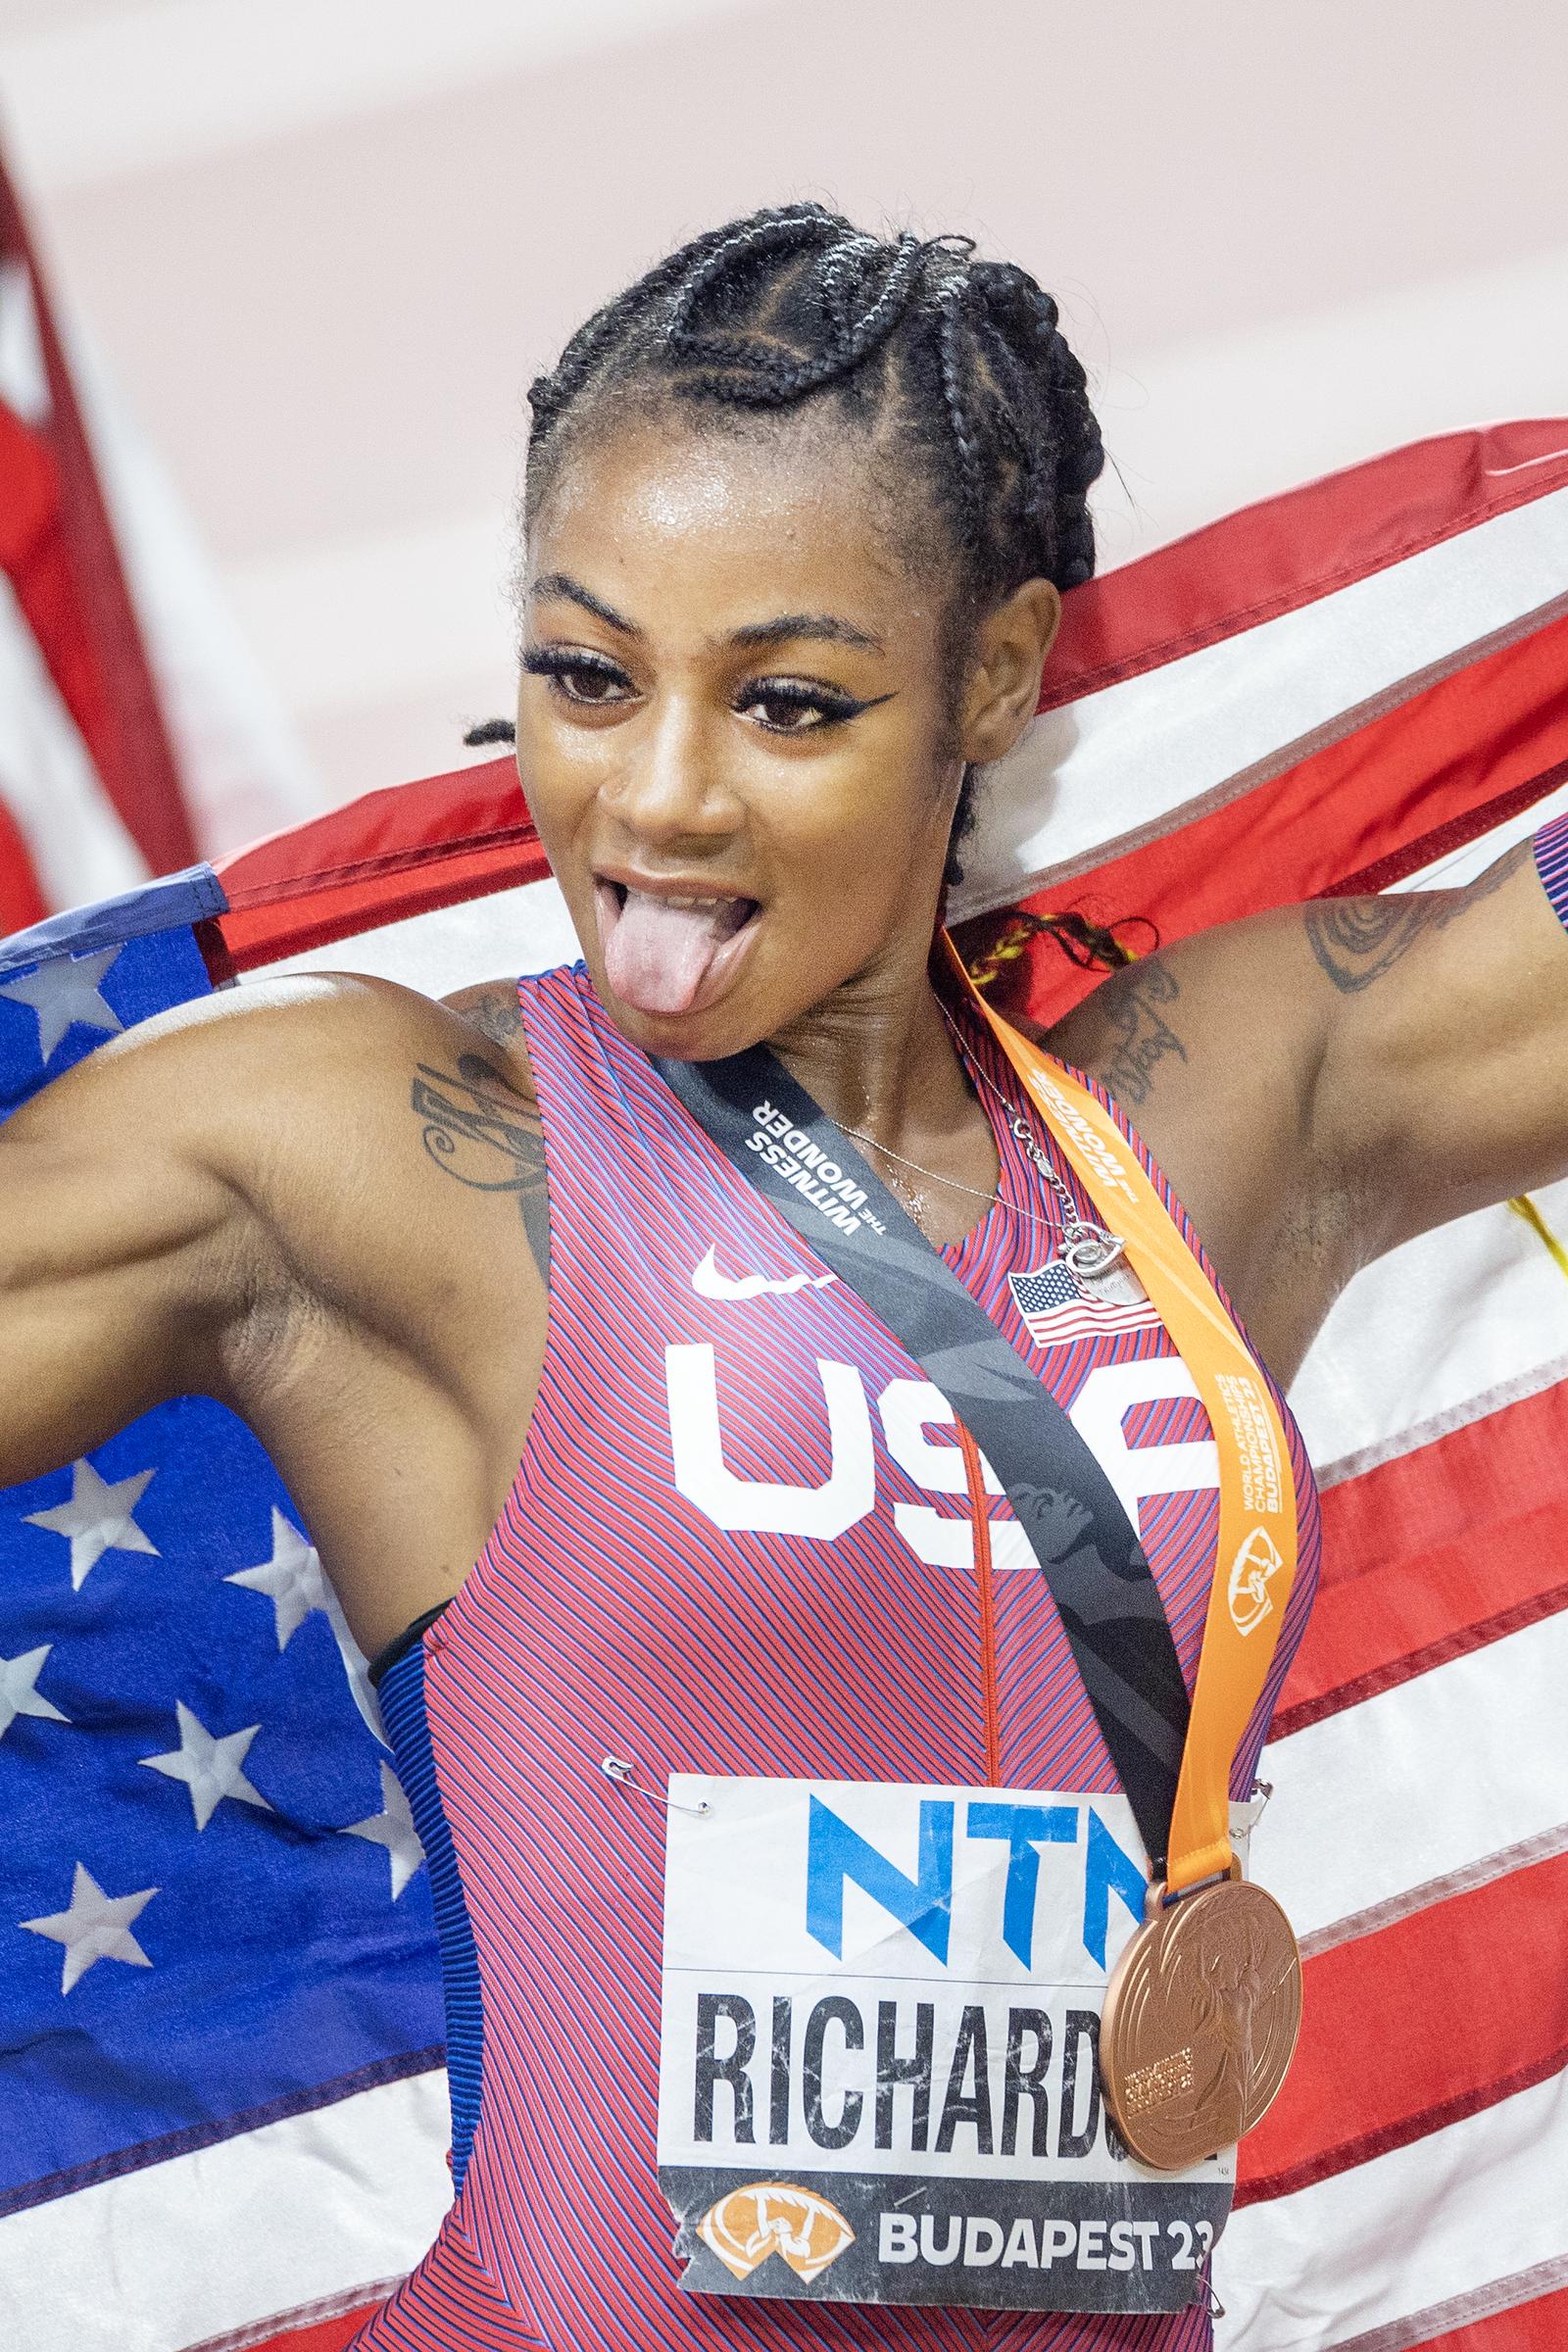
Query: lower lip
(720, 973)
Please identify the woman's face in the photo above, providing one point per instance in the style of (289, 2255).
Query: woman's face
(733, 730)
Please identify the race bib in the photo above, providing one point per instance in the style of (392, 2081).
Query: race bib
(878, 2078)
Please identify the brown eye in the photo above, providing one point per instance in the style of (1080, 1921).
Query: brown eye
(591, 682)
(795, 705)
(590, 686)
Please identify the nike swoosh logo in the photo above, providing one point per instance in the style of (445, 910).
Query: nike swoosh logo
(708, 1283)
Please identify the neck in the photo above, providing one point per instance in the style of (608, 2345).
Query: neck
(878, 1056)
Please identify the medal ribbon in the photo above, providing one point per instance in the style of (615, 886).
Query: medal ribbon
(1255, 1563)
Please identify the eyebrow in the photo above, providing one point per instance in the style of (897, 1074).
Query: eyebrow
(562, 583)
(826, 628)
(822, 626)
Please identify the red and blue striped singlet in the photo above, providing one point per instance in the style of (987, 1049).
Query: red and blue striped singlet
(809, 1605)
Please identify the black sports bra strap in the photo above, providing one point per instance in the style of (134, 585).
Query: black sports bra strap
(401, 1644)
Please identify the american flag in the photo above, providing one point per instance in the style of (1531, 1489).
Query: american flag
(1054, 1306)
(133, 729)
(210, 1852)
(1357, 685)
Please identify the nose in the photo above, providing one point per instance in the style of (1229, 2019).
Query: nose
(669, 785)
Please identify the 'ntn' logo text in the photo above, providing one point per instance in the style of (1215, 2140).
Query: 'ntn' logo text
(837, 1856)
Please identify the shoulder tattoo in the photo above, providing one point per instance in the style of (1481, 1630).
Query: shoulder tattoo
(480, 1131)
(496, 1012)
(1134, 1008)
(1356, 941)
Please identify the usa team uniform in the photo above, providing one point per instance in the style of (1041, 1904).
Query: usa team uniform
(739, 1543)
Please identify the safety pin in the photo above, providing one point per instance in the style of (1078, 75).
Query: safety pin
(618, 1770)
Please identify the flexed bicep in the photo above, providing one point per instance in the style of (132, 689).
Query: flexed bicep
(117, 1248)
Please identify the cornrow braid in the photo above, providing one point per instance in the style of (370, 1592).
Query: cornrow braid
(959, 364)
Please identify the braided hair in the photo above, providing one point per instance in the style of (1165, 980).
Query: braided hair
(956, 364)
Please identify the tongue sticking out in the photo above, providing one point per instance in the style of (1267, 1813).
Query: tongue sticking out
(659, 951)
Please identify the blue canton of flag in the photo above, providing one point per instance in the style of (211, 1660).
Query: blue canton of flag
(1055, 1306)
(214, 1910)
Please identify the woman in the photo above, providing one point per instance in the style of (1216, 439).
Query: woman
(798, 508)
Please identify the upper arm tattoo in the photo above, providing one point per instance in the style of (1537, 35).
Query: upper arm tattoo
(480, 1130)
(1357, 940)
(1135, 1011)
(497, 1012)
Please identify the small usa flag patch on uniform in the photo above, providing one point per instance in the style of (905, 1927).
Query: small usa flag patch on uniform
(1057, 1305)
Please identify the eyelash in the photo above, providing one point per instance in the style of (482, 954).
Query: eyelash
(559, 668)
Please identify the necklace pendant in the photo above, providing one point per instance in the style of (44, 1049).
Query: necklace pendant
(1091, 1252)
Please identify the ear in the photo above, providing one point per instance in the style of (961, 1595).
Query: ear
(1011, 648)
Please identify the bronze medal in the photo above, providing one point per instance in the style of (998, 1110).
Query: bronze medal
(1200, 2022)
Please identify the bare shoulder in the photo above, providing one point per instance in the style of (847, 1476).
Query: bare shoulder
(1214, 1048)
(1205, 1019)
(305, 1094)
(491, 1007)
(266, 1057)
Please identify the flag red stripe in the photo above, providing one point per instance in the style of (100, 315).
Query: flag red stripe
(1269, 558)
(1457, 834)
(1288, 551)
(1486, 729)
(321, 2326)
(22, 901)
(1416, 2025)
(315, 919)
(467, 807)
(1537, 2326)
(1454, 1544)
(71, 587)
(330, 2335)
(381, 859)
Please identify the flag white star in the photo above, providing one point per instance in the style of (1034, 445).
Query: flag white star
(291, 1578)
(393, 1827)
(97, 1519)
(295, 1583)
(18, 1694)
(63, 991)
(97, 1927)
(210, 1769)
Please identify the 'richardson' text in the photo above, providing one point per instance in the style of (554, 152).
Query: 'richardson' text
(901, 2075)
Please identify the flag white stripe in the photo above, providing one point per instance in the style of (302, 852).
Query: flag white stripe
(295, 2213)
(511, 931)
(1218, 711)
(79, 849)
(1485, 2199)
(302, 2316)
(1443, 1425)
(1423, 1780)
(1546, 1847)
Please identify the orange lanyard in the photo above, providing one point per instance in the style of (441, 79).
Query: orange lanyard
(1255, 1565)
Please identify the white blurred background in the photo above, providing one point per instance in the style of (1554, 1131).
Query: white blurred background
(313, 250)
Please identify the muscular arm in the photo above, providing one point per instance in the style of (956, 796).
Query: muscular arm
(1445, 1076)
(304, 1199)
(124, 1252)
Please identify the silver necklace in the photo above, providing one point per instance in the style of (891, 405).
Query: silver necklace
(1088, 1250)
